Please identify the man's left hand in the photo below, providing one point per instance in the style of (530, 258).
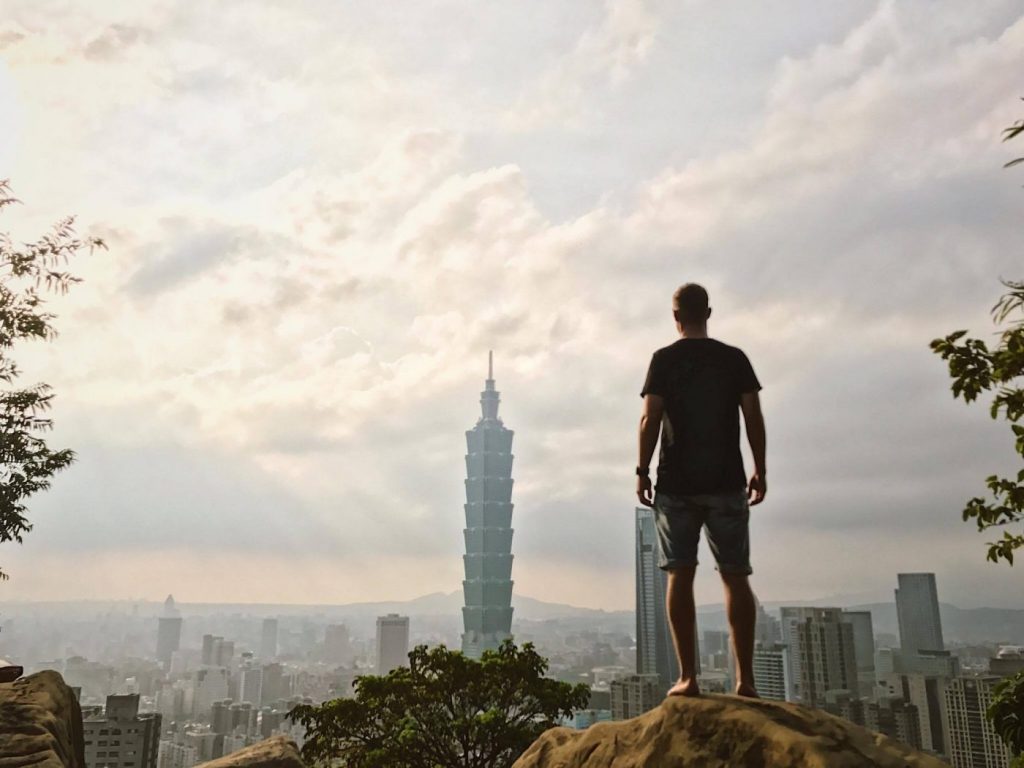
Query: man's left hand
(643, 491)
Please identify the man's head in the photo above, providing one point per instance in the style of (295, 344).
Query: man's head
(690, 305)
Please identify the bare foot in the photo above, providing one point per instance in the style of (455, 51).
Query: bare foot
(686, 687)
(747, 690)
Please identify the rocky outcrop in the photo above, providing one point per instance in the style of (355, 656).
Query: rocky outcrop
(40, 724)
(275, 752)
(714, 731)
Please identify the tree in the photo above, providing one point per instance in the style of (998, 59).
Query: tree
(28, 270)
(445, 710)
(974, 369)
(1006, 713)
(1013, 132)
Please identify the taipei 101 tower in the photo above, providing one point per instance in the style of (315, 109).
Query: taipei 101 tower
(487, 588)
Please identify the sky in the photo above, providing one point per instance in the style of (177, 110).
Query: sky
(321, 216)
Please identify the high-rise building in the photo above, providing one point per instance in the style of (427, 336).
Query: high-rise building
(274, 684)
(771, 672)
(209, 684)
(791, 618)
(1009, 660)
(392, 642)
(217, 652)
(863, 647)
(337, 645)
(633, 695)
(206, 658)
(827, 657)
(172, 754)
(895, 718)
(121, 735)
(250, 680)
(220, 716)
(973, 742)
(242, 718)
(927, 692)
(655, 653)
(487, 587)
(917, 609)
(168, 633)
(767, 631)
(268, 640)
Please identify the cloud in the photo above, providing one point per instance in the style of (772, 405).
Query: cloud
(309, 260)
(604, 57)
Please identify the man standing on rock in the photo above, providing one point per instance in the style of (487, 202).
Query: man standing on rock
(694, 391)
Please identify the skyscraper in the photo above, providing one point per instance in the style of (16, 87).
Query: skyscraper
(633, 695)
(268, 640)
(771, 672)
(655, 653)
(863, 646)
(392, 642)
(137, 739)
(337, 647)
(168, 633)
(917, 609)
(250, 680)
(487, 587)
(828, 661)
(972, 739)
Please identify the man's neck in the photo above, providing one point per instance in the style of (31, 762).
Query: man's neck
(693, 331)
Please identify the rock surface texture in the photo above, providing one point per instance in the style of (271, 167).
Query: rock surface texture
(40, 723)
(713, 731)
(275, 752)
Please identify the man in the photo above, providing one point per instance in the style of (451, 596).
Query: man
(693, 394)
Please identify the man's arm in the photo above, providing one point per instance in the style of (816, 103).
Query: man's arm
(750, 402)
(650, 426)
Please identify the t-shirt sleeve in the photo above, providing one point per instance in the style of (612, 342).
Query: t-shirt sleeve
(656, 382)
(746, 378)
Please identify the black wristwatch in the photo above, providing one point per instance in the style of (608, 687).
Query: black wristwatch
(645, 472)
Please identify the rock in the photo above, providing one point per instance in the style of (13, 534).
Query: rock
(717, 731)
(40, 723)
(9, 672)
(275, 752)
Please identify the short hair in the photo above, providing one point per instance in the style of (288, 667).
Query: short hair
(690, 303)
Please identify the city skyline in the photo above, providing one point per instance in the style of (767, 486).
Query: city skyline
(318, 224)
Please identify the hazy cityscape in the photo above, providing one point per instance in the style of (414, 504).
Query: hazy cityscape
(181, 684)
(334, 331)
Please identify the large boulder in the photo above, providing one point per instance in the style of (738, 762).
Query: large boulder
(40, 723)
(713, 731)
(275, 752)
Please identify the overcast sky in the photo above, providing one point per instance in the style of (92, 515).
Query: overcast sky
(321, 216)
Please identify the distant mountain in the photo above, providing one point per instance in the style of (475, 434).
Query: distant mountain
(959, 625)
(432, 604)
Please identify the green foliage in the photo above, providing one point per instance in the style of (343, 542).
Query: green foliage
(1006, 713)
(975, 368)
(445, 710)
(28, 270)
(1010, 133)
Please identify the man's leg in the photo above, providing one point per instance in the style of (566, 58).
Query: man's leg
(742, 612)
(682, 617)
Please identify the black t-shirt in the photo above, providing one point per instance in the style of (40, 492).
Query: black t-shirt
(701, 381)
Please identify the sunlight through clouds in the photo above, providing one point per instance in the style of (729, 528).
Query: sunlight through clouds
(321, 217)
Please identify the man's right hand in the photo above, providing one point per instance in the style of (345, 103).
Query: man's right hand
(756, 488)
(643, 490)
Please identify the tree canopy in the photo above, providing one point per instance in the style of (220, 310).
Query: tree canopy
(27, 272)
(445, 710)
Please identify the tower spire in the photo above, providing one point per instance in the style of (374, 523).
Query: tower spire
(489, 398)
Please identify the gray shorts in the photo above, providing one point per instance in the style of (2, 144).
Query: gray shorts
(726, 516)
